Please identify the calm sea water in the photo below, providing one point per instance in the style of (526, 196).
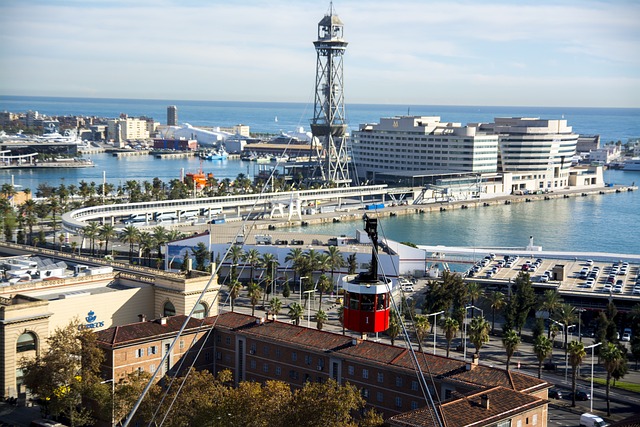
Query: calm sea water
(608, 223)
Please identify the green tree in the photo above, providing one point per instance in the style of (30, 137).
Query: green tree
(335, 260)
(496, 303)
(450, 327)
(422, 326)
(107, 232)
(254, 292)
(295, 313)
(91, 231)
(234, 291)
(352, 263)
(66, 373)
(521, 303)
(576, 356)
(130, 235)
(321, 319)
(566, 315)
(510, 342)
(324, 285)
(235, 254)
(159, 234)
(542, 348)
(275, 306)
(474, 292)
(394, 326)
(479, 332)
(201, 254)
(550, 302)
(252, 257)
(613, 360)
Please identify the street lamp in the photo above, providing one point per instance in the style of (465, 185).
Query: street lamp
(465, 327)
(592, 346)
(435, 328)
(565, 328)
(580, 311)
(309, 306)
(300, 282)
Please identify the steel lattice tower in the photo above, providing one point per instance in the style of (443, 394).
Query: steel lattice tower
(329, 123)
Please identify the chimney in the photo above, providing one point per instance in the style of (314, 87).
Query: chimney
(484, 401)
(473, 363)
(162, 321)
(142, 317)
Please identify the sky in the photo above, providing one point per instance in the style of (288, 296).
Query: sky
(420, 52)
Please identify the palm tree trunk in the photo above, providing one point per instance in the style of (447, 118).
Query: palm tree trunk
(573, 388)
(608, 401)
(539, 369)
(508, 362)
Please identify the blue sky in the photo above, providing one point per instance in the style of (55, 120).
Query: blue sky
(533, 53)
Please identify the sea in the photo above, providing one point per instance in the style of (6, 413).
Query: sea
(602, 223)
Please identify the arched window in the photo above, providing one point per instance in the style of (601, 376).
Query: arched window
(169, 309)
(26, 342)
(201, 311)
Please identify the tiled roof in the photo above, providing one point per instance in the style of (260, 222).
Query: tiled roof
(380, 353)
(632, 421)
(141, 331)
(469, 410)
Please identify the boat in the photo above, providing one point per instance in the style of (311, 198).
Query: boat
(632, 164)
(263, 159)
(199, 179)
(216, 155)
(250, 156)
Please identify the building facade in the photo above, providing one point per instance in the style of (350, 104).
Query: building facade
(127, 129)
(419, 145)
(172, 115)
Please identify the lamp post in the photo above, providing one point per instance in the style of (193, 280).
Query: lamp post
(565, 328)
(309, 306)
(435, 328)
(465, 328)
(300, 282)
(580, 311)
(592, 346)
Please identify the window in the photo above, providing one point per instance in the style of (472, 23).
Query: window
(265, 368)
(398, 381)
(252, 364)
(169, 309)
(140, 352)
(351, 370)
(365, 373)
(152, 368)
(398, 402)
(380, 396)
(277, 352)
(308, 359)
(228, 340)
(26, 342)
(534, 421)
(294, 356)
(152, 350)
(181, 344)
(380, 377)
(140, 369)
(253, 348)
(278, 371)
(414, 404)
(365, 393)
(414, 385)
(200, 311)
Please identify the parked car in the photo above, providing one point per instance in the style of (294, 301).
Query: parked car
(626, 336)
(582, 395)
(555, 393)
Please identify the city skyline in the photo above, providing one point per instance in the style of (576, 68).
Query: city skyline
(567, 53)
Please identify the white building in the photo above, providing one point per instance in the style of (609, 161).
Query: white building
(421, 145)
(129, 129)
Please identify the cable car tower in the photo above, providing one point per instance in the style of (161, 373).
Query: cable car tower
(328, 125)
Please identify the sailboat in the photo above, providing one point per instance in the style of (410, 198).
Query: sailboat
(276, 119)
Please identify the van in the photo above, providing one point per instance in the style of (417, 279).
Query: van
(590, 420)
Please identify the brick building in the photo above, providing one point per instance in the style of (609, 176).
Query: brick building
(258, 350)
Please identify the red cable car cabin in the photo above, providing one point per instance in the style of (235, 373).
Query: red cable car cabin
(366, 304)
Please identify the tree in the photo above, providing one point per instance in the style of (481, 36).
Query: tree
(254, 293)
(565, 315)
(422, 326)
(496, 303)
(510, 342)
(275, 306)
(576, 356)
(252, 257)
(130, 234)
(159, 234)
(478, 332)
(66, 373)
(450, 328)
(394, 326)
(269, 262)
(543, 348)
(321, 318)
(613, 359)
(352, 263)
(295, 313)
(91, 231)
(474, 292)
(521, 303)
(234, 292)
(335, 260)
(235, 254)
(107, 232)
(550, 302)
(201, 254)
(324, 286)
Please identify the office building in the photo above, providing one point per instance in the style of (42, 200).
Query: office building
(172, 115)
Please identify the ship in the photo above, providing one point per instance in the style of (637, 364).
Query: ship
(220, 154)
(632, 164)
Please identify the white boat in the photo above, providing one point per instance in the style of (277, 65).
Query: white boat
(632, 164)
(217, 155)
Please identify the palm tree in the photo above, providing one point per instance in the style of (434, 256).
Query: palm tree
(28, 211)
(295, 312)
(269, 262)
(321, 318)
(422, 326)
(335, 260)
(566, 315)
(130, 234)
(107, 231)
(510, 342)
(474, 292)
(235, 254)
(91, 231)
(159, 237)
(252, 257)
(234, 292)
(543, 348)
(479, 332)
(576, 355)
(324, 285)
(550, 302)
(394, 326)
(496, 303)
(613, 359)
(275, 306)
(146, 243)
(450, 328)
(254, 293)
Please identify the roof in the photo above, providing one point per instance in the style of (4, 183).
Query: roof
(380, 353)
(132, 333)
(471, 410)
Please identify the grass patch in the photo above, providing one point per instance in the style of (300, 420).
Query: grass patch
(633, 387)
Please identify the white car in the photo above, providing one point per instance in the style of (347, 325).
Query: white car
(626, 336)
(589, 283)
